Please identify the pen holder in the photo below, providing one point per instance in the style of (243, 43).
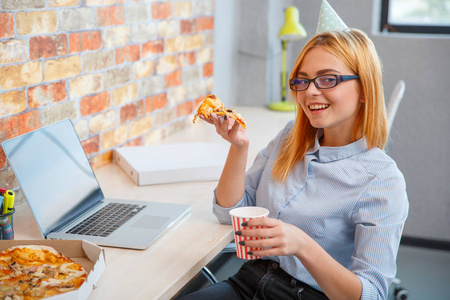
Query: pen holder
(6, 224)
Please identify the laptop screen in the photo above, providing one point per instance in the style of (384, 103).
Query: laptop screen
(54, 173)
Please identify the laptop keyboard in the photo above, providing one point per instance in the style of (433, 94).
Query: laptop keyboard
(106, 220)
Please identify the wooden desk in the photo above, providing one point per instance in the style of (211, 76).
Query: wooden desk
(160, 271)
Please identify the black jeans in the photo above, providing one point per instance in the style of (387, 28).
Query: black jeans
(258, 280)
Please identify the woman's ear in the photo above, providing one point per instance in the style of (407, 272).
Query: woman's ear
(362, 99)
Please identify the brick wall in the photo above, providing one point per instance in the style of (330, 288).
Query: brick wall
(127, 72)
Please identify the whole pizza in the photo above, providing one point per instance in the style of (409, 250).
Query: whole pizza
(36, 272)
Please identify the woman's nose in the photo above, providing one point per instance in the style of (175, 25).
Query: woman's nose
(312, 90)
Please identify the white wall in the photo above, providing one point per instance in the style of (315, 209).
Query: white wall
(225, 22)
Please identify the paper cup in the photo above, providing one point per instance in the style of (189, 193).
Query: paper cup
(242, 214)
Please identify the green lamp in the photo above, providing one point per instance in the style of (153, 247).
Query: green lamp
(292, 30)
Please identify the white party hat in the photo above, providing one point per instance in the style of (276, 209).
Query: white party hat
(329, 20)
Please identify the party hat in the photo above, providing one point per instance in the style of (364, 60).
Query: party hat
(329, 20)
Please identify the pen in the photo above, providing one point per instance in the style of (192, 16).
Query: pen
(5, 222)
(8, 201)
(7, 232)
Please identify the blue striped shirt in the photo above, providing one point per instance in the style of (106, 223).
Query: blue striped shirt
(351, 200)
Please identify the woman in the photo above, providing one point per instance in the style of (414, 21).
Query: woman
(337, 202)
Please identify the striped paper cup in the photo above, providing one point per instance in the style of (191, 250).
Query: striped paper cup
(242, 214)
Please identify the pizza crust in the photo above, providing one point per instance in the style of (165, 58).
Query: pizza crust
(38, 248)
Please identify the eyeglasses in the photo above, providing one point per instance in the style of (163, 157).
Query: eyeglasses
(321, 82)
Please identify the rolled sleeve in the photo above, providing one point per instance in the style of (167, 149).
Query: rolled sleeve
(252, 178)
(379, 218)
(223, 213)
(368, 290)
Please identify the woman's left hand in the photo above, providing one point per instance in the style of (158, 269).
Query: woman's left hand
(277, 238)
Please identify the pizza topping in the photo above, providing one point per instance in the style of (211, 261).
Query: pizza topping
(212, 104)
(37, 272)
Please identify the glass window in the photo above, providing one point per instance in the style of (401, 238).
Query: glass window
(415, 16)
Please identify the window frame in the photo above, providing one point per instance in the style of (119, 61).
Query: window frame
(385, 26)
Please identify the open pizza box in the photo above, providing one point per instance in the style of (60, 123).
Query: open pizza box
(90, 256)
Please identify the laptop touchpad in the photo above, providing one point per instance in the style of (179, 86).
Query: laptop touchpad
(151, 222)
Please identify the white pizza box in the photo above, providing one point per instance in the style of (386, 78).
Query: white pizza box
(169, 163)
(90, 256)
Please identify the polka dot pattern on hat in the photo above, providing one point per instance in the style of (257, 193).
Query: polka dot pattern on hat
(329, 20)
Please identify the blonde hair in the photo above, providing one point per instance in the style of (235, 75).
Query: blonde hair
(358, 54)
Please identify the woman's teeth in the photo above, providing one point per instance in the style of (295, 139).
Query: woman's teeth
(318, 106)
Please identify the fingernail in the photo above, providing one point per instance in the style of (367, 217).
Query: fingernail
(238, 233)
(250, 253)
(242, 243)
(225, 117)
(244, 224)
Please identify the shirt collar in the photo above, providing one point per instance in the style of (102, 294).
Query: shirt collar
(328, 154)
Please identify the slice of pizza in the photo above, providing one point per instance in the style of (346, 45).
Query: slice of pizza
(35, 272)
(212, 104)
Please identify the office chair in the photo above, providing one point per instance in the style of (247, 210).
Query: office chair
(394, 102)
(399, 292)
(392, 107)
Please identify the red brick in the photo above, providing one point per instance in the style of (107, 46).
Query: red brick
(153, 48)
(2, 158)
(208, 69)
(48, 46)
(93, 104)
(155, 102)
(101, 160)
(6, 25)
(45, 94)
(129, 53)
(185, 109)
(91, 145)
(131, 111)
(19, 124)
(135, 142)
(188, 26)
(185, 59)
(83, 41)
(173, 79)
(161, 10)
(206, 23)
(107, 16)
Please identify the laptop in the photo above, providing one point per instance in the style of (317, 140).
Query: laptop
(64, 195)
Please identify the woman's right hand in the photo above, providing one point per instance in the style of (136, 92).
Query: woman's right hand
(229, 129)
(231, 186)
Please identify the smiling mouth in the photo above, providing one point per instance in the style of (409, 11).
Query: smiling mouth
(316, 107)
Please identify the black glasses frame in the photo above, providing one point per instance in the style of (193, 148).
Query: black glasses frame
(339, 79)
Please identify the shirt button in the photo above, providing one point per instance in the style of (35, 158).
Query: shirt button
(275, 265)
